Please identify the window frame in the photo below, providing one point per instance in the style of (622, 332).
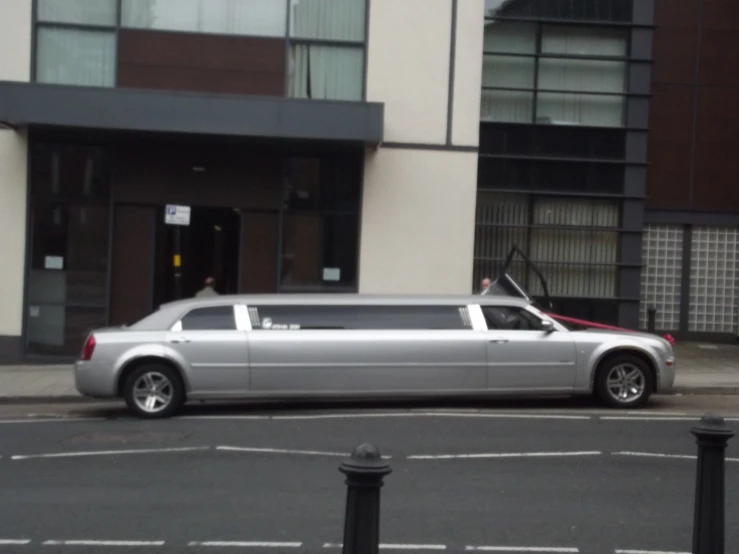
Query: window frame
(237, 312)
(530, 95)
(471, 322)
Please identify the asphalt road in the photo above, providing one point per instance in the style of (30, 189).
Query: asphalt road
(547, 477)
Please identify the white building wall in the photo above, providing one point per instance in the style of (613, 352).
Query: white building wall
(418, 207)
(15, 65)
(418, 222)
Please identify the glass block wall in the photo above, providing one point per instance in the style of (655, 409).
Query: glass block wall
(713, 280)
(661, 280)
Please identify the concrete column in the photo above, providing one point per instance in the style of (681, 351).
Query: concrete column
(15, 65)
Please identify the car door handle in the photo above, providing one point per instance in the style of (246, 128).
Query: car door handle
(178, 341)
(498, 341)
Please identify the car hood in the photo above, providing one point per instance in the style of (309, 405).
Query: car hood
(632, 334)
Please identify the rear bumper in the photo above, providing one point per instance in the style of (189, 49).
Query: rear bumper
(94, 379)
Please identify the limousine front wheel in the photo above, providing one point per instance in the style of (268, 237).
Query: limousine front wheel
(154, 391)
(624, 382)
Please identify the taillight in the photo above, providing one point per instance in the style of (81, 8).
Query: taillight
(88, 348)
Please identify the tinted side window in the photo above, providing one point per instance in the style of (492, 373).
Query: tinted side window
(217, 318)
(510, 319)
(359, 317)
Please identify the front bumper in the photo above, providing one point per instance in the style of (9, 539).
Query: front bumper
(666, 375)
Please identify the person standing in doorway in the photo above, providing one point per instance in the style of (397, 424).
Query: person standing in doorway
(484, 284)
(208, 288)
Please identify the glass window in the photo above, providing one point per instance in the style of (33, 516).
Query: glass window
(84, 12)
(582, 41)
(507, 106)
(508, 71)
(598, 10)
(319, 250)
(363, 317)
(508, 37)
(505, 318)
(60, 330)
(227, 17)
(326, 72)
(69, 254)
(323, 183)
(74, 172)
(76, 57)
(580, 109)
(318, 19)
(216, 318)
(582, 75)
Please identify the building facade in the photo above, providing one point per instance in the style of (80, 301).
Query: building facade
(372, 146)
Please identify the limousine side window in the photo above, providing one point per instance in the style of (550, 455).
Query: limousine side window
(363, 317)
(507, 318)
(215, 318)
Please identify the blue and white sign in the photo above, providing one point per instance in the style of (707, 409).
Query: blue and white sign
(177, 215)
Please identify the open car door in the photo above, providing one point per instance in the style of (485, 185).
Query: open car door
(505, 285)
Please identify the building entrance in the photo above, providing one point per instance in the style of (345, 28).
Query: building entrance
(208, 247)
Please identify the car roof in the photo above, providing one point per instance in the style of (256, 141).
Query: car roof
(341, 299)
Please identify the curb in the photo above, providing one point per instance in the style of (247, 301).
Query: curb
(727, 390)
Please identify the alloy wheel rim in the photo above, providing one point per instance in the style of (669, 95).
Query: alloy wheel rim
(626, 383)
(153, 392)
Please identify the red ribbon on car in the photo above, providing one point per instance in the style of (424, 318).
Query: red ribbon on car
(584, 323)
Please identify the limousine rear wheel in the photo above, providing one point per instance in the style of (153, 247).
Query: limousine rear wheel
(154, 391)
(624, 381)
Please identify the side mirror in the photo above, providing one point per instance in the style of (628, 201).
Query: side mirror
(547, 326)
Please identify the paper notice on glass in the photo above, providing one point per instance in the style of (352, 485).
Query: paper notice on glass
(34, 311)
(331, 274)
(53, 262)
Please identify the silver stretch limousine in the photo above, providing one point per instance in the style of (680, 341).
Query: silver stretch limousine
(287, 346)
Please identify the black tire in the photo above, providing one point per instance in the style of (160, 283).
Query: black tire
(171, 387)
(631, 364)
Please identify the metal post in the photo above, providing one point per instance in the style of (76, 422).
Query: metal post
(177, 263)
(651, 319)
(712, 435)
(364, 471)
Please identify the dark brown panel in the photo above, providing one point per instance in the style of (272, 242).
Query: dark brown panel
(677, 14)
(205, 63)
(719, 57)
(675, 53)
(668, 175)
(133, 256)
(234, 176)
(717, 145)
(259, 246)
(721, 14)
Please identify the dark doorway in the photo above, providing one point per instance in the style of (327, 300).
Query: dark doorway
(209, 247)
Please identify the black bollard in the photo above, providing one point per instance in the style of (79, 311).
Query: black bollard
(364, 471)
(651, 319)
(712, 435)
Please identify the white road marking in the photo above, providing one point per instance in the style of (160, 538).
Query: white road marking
(395, 546)
(282, 451)
(521, 549)
(659, 418)
(661, 455)
(649, 552)
(503, 455)
(247, 544)
(56, 420)
(14, 542)
(432, 414)
(255, 417)
(103, 543)
(111, 452)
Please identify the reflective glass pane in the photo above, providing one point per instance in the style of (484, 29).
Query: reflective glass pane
(509, 37)
(582, 41)
(76, 57)
(580, 109)
(319, 19)
(508, 71)
(60, 330)
(85, 12)
(509, 106)
(582, 75)
(326, 72)
(227, 17)
(69, 254)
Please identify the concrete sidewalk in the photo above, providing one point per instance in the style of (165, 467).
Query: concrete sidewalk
(701, 369)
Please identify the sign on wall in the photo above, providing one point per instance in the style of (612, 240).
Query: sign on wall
(177, 215)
